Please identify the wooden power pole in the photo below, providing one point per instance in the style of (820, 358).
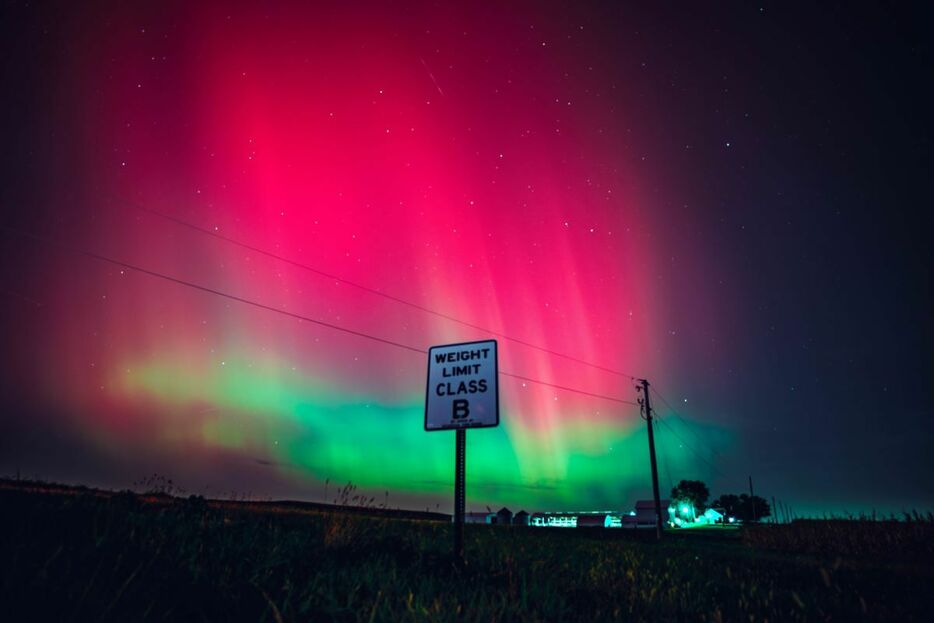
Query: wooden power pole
(752, 500)
(647, 415)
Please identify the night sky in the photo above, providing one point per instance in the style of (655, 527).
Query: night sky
(731, 201)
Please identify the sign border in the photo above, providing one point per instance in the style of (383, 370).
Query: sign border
(427, 388)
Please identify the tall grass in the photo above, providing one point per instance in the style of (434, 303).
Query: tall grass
(82, 557)
(910, 539)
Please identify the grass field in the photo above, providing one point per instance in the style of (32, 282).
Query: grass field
(84, 556)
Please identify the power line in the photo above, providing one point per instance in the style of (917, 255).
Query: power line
(696, 453)
(427, 310)
(686, 444)
(569, 389)
(689, 447)
(683, 421)
(301, 317)
(664, 457)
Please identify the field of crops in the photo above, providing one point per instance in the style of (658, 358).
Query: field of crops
(86, 557)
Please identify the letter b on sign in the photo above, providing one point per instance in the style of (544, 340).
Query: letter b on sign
(460, 408)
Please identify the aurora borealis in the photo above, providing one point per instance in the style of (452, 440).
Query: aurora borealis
(562, 176)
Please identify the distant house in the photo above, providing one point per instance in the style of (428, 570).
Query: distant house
(503, 516)
(520, 519)
(645, 512)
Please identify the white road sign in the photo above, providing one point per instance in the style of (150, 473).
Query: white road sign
(462, 387)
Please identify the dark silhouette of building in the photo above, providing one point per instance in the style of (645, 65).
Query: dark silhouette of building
(504, 516)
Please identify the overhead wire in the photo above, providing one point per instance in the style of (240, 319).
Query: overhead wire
(712, 466)
(663, 421)
(689, 447)
(360, 334)
(215, 234)
(664, 456)
(686, 424)
(300, 317)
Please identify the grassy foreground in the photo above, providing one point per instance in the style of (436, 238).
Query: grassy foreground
(88, 557)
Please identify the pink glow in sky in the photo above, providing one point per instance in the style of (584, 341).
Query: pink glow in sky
(479, 168)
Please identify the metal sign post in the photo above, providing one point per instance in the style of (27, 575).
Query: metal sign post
(460, 468)
(462, 393)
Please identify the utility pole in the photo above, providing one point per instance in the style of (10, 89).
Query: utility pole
(752, 499)
(647, 416)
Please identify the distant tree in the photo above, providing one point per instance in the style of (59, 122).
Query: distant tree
(729, 503)
(743, 506)
(693, 492)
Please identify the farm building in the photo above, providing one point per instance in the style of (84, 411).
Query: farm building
(645, 512)
(597, 520)
(553, 520)
(503, 517)
(642, 517)
(582, 519)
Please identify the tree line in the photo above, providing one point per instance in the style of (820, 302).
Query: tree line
(742, 506)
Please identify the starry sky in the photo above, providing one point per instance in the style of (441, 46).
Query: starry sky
(230, 230)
